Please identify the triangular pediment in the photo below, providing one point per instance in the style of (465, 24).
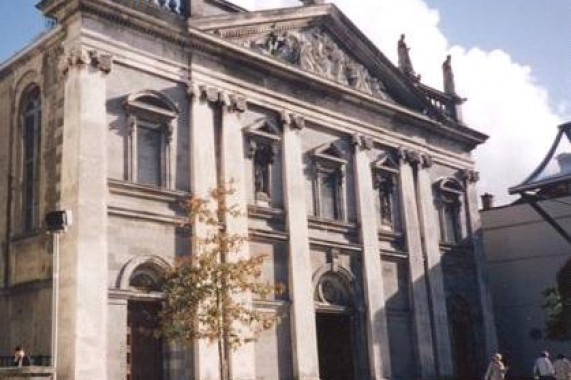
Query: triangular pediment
(386, 162)
(332, 152)
(265, 127)
(323, 41)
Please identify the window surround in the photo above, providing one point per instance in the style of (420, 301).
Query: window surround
(329, 160)
(263, 139)
(386, 167)
(450, 192)
(152, 110)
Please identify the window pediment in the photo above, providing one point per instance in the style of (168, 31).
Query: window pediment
(386, 163)
(152, 104)
(264, 128)
(449, 189)
(331, 154)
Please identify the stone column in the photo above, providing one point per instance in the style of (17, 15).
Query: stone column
(475, 232)
(377, 334)
(203, 177)
(82, 320)
(243, 360)
(410, 161)
(303, 329)
(431, 234)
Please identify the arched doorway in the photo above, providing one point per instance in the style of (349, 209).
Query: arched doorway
(462, 335)
(145, 351)
(337, 328)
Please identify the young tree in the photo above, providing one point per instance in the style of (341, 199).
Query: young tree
(557, 326)
(208, 293)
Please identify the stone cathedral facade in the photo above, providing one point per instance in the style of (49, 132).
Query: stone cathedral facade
(357, 179)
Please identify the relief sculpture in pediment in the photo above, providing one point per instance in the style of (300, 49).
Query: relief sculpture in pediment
(316, 51)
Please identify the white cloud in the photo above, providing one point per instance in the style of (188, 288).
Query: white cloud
(504, 99)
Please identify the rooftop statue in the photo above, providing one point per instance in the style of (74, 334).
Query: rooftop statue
(448, 74)
(404, 62)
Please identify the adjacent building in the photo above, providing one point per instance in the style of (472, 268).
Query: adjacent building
(357, 179)
(528, 252)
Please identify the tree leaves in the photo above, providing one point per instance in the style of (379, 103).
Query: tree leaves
(557, 327)
(209, 293)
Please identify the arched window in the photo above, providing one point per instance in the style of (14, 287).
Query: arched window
(150, 117)
(30, 122)
(450, 193)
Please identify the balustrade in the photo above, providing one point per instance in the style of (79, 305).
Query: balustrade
(177, 7)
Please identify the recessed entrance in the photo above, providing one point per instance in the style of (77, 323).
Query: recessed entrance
(335, 345)
(144, 350)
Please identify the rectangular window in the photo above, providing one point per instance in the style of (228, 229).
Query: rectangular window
(329, 196)
(149, 155)
(451, 223)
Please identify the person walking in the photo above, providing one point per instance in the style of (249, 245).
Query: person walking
(496, 369)
(562, 368)
(543, 369)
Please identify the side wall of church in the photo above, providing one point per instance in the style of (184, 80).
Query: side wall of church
(26, 260)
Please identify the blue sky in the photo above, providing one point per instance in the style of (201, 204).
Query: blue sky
(535, 33)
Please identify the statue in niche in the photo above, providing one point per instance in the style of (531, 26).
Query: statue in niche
(448, 74)
(263, 159)
(386, 187)
(404, 61)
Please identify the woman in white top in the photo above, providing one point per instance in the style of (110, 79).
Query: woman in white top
(496, 369)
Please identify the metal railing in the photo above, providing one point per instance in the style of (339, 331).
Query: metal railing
(35, 360)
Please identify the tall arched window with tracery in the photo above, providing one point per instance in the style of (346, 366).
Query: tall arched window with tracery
(30, 124)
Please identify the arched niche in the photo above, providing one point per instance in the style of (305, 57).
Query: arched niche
(334, 288)
(143, 273)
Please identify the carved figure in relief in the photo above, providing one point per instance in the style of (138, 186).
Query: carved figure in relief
(315, 51)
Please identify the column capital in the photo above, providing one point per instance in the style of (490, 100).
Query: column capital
(233, 102)
(470, 175)
(238, 103)
(293, 121)
(78, 56)
(210, 94)
(362, 142)
(415, 158)
(192, 90)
